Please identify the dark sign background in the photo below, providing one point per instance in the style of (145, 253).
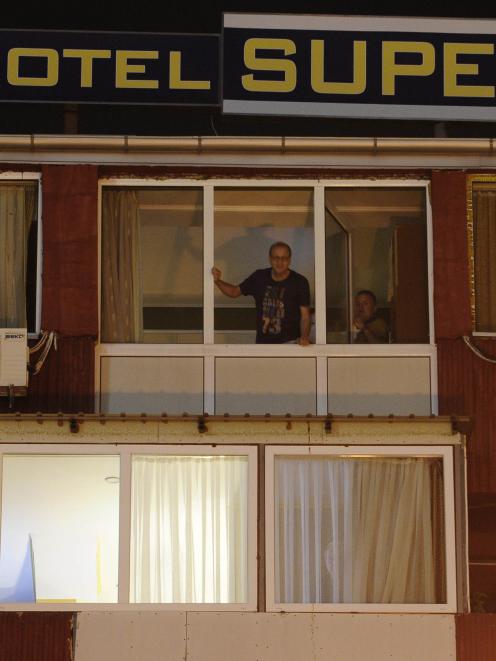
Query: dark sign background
(200, 61)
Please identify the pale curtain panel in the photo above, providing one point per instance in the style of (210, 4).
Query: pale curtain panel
(122, 288)
(485, 259)
(189, 529)
(17, 210)
(358, 531)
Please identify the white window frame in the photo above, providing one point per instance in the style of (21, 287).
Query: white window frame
(21, 177)
(443, 452)
(209, 351)
(126, 452)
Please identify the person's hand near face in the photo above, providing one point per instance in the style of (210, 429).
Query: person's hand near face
(365, 309)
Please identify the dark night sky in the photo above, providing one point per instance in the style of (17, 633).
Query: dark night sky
(184, 16)
(206, 17)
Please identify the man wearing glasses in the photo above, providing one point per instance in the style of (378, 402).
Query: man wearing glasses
(282, 298)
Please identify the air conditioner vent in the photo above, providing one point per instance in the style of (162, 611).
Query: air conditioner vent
(13, 357)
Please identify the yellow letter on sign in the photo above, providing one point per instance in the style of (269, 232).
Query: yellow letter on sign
(359, 82)
(390, 69)
(87, 57)
(123, 68)
(175, 80)
(288, 67)
(453, 69)
(52, 61)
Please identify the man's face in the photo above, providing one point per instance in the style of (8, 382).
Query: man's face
(364, 307)
(280, 260)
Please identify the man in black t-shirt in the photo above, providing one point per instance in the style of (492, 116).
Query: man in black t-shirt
(282, 298)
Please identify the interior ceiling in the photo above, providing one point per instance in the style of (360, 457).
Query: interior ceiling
(375, 207)
(249, 207)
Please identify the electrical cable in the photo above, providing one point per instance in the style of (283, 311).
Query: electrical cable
(48, 339)
(477, 351)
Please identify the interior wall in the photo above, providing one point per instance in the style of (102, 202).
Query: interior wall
(172, 265)
(60, 521)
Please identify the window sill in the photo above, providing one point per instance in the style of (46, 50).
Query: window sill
(276, 350)
(86, 606)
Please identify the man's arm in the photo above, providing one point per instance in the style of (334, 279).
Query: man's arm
(305, 323)
(233, 291)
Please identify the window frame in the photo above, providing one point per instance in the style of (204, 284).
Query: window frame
(21, 177)
(208, 350)
(471, 180)
(437, 451)
(125, 453)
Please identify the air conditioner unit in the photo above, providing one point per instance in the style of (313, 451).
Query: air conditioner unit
(14, 357)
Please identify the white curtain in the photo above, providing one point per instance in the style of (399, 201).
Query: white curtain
(122, 286)
(17, 210)
(189, 529)
(358, 530)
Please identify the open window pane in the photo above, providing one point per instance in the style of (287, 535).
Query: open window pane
(18, 254)
(189, 529)
(152, 265)
(59, 535)
(337, 279)
(385, 229)
(364, 530)
(247, 222)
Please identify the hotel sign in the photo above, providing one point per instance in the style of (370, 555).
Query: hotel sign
(106, 67)
(309, 65)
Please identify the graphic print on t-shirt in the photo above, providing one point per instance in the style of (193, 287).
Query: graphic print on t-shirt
(273, 309)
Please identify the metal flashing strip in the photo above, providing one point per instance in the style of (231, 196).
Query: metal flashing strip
(215, 144)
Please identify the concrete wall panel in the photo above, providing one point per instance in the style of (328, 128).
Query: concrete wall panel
(154, 385)
(265, 385)
(379, 385)
(130, 636)
(320, 637)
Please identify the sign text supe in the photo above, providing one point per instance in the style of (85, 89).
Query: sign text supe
(359, 67)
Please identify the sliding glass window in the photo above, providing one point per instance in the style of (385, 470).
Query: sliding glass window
(152, 265)
(368, 528)
(247, 222)
(162, 525)
(376, 265)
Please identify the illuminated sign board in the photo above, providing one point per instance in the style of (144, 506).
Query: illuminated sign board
(106, 67)
(269, 64)
(366, 67)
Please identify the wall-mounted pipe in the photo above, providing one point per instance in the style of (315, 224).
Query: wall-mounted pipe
(219, 144)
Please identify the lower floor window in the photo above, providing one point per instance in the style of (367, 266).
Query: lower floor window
(351, 529)
(347, 528)
(189, 529)
(59, 528)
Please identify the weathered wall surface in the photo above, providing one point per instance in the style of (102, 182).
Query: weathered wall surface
(467, 383)
(476, 637)
(36, 636)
